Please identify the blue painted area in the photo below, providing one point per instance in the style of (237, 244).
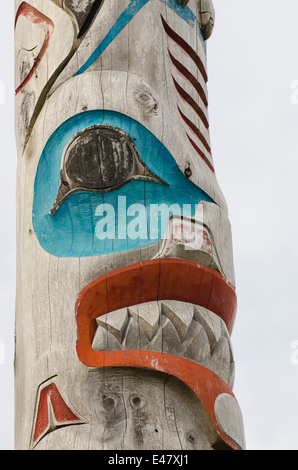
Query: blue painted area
(128, 14)
(132, 9)
(73, 230)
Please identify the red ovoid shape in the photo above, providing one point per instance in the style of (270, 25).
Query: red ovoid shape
(161, 279)
(52, 413)
(43, 22)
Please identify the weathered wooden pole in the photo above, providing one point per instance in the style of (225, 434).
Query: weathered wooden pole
(125, 293)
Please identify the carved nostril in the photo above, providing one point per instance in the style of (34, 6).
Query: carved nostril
(137, 402)
(108, 403)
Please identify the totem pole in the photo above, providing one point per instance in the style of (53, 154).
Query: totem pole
(125, 289)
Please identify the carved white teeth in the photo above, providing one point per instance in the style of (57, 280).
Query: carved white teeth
(148, 316)
(170, 327)
(115, 323)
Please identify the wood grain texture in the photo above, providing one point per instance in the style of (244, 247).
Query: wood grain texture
(120, 344)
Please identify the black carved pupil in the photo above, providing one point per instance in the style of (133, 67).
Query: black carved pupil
(99, 159)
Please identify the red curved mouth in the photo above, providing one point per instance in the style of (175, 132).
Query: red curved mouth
(159, 279)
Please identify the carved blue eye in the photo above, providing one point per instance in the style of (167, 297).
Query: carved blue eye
(94, 155)
(100, 159)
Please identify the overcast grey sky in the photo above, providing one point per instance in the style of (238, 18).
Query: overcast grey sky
(253, 63)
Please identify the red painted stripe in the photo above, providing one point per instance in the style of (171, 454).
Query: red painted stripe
(38, 18)
(202, 155)
(188, 99)
(195, 130)
(190, 77)
(186, 48)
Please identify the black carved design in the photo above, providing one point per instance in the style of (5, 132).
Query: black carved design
(84, 12)
(100, 159)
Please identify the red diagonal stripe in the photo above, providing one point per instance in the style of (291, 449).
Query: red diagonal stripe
(202, 155)
(186, 97)
(195, 130)
(186, 47)
(190, 77)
